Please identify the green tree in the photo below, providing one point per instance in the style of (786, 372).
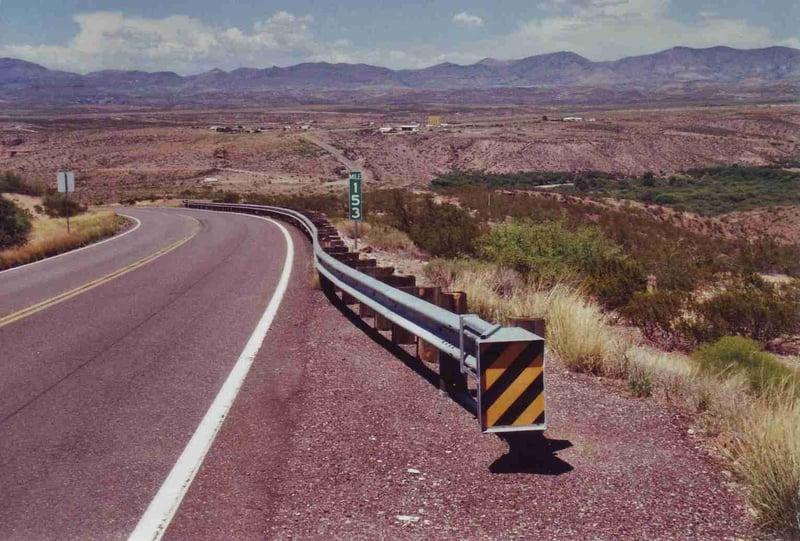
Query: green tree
(15, 224)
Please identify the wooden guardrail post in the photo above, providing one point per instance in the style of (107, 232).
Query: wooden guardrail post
(536, 325)
(364, 263)
(425, 351)
(375, 272)
(381, 323)
(402, 336)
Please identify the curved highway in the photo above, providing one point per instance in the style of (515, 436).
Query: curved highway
(110, 358)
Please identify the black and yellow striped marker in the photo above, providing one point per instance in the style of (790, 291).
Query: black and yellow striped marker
(511, 386)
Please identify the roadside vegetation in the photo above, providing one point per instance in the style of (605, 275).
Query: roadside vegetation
(704, 324)
(32, 227)
(707, 191)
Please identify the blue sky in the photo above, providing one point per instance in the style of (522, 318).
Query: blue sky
(194, 36)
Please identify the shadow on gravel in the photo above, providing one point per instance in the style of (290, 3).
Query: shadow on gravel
(409, 360)
(529, 452)
(532, 452)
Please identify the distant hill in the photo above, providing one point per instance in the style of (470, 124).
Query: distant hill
(676, 66)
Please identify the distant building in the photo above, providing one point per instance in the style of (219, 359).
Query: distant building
(306, 127)
(572, 119)
(211, 179)
(434, 121)
(409, 128)
(385, 129)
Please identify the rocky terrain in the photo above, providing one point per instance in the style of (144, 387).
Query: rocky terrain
(625, 142)
(119, 153)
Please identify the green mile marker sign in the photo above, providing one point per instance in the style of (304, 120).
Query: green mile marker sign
(356, 197)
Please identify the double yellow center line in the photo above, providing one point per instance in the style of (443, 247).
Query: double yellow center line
(30, 310)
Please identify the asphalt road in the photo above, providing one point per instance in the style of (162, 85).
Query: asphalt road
(100, 393)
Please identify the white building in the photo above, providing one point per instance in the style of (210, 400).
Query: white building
(409, 128)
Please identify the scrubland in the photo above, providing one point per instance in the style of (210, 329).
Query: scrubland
(48, 235)
(740, 395)
(585, 269)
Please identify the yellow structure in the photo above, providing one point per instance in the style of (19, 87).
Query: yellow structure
(435, 121)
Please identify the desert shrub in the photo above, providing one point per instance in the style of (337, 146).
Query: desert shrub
(334, 205)
(444, 230)
(735, 354)
(665, 199)
(710, 191)
(227, 197)
(659, 314)
(11, 182)
(388, 238)
(614, 278)
(552, 252)
(522, 179)
(754, 309)
(56, 205)
(767, 256)
(640, 381)
(15, 224)
(441, 229)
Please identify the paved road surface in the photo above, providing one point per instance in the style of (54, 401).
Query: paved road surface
(99, 394)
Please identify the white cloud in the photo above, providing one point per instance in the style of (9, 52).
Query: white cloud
(465, 19)
(610, 29)
(110, 40)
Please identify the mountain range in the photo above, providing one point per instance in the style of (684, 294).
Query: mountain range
(677, 66)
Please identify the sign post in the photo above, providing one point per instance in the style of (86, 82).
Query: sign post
(356, 201)
(65, 181)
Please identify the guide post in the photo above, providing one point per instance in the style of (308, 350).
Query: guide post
(356, 201)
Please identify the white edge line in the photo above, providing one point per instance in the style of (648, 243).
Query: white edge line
(163, 507)
(70, 252)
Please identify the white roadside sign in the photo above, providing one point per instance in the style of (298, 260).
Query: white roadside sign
(66, 181)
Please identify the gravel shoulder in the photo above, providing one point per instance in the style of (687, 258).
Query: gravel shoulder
(333, 436)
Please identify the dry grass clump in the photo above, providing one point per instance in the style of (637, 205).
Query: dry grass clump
(388, 238)
(377, 235)
(767, 454)
(49, 237)
(577, 331)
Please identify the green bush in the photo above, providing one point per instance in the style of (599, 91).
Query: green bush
(443, 230)
(659, 314)
(710, 191)
(753, 309)
(552, 252)
(11, 182)
(738, 355)
(15, 224)
(56, 205)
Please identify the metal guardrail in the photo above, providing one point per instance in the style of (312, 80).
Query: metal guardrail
(465, 338)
